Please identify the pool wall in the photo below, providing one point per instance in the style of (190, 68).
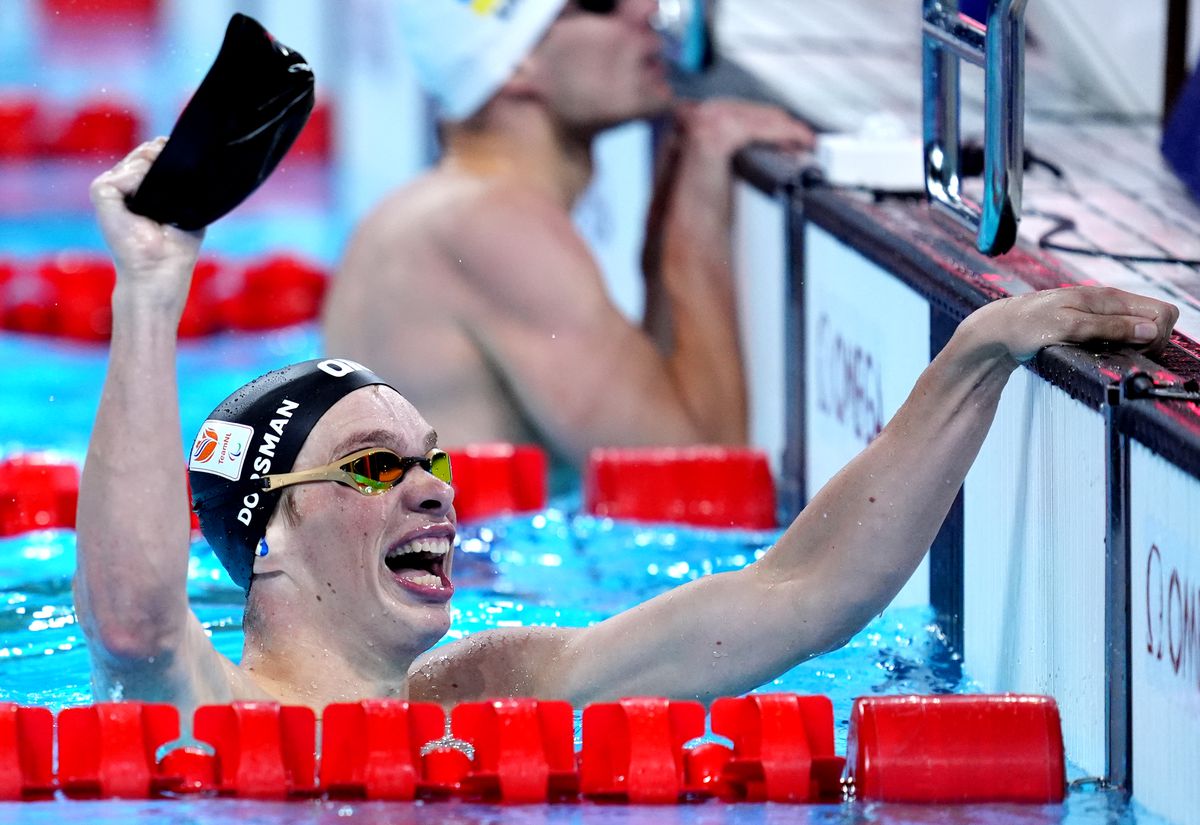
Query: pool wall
(1039, 576)
(1034, 558)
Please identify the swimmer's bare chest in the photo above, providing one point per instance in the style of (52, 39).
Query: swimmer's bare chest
(499, 663)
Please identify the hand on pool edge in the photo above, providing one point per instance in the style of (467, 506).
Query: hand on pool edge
(1073, 315)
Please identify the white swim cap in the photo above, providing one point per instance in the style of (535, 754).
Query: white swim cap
(465, 50)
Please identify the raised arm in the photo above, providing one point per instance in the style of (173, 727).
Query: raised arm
(691, 310)
(856, 542)
(686, 257)
(133, 524)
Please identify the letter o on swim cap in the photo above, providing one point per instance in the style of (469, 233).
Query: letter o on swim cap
(256, 431)
(338, 367)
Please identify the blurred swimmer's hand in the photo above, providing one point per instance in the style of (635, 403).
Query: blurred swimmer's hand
(146, 254)
(707, 136)
(1074, 315)
(718, 128)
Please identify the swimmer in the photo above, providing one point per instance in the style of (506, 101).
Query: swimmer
(528, 344)
(343, 542)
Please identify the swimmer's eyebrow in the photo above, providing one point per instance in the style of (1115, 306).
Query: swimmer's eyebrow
(363, 439)
(378, 438)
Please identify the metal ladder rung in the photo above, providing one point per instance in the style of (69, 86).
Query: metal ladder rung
(964, 39)
(948, 38)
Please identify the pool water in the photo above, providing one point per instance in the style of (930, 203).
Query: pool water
(554, 567)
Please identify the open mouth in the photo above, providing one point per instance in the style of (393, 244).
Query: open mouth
(421, 562)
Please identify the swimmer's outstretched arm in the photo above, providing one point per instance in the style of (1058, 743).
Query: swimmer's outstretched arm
(860, 538)
(853, 546)
(133, 521)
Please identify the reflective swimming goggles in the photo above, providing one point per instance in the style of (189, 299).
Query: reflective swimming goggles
(372, 471)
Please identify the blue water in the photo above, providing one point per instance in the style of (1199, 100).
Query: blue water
(554, 567)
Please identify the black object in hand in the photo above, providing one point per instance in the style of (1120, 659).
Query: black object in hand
(243, 118)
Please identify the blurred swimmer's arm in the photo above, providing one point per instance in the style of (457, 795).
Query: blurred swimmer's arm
(578, 369)
(687, 259)
(858, 541)
(133, 521)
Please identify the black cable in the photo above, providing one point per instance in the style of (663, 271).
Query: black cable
(971, 165)
(1064, 224)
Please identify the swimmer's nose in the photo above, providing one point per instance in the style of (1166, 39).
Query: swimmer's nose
(425, 493)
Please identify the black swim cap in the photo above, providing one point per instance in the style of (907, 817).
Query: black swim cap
(243, 118)
(257, 431)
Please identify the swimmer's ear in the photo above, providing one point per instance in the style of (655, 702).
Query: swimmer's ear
(268, 555)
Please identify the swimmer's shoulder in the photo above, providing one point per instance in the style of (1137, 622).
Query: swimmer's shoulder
(490, 231)
(438, 207)
(453, 202)
(507, 231)
(492, 663)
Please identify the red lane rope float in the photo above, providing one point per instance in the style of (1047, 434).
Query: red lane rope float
(633, 750)
(20, 127)
(782, 748)
(494, 479)
(202, 312)
(80, 288)
(700, 486)
(37, 492)
(524, 750)
(445, 763)
(263, 750)
(40, 492)
(372, 749)
(927, 749)
(93, 11)
(276, 292)
(26, 302)
(98, 128)
(70, 295)
(956, 749)
(103, 128)
(26, 752)
(109, 749)
(32, 129)
(315, 141)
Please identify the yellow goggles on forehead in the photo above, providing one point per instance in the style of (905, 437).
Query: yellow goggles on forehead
(372, 471)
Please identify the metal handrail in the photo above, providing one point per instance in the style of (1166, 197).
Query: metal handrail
(999, 47)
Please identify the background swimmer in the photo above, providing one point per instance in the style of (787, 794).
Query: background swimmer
(528, 344)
